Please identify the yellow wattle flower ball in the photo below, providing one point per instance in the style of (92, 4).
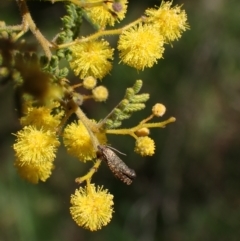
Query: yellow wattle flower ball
(141, 46)
(34, 172)
(35, 146)
(78, 142)
(91, 59)
(145, 146)
(91, 207)
(41, 117)
(170, 22)
(107, 14)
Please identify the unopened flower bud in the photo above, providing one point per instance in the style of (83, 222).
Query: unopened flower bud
(143, 132)
(100, 93)
(78, 98)
(89, 82)
(117, 6)
(158, 110)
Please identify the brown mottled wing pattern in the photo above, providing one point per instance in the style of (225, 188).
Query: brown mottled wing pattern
(116, 165)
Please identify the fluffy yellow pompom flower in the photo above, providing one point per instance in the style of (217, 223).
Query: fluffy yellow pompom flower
(91, 207)
(107, 14)
(41, 117)
(140, 46)
(78, 142)
(145, 146)
(34, 172)
(34, 146)
(91, 59)
(171, 22)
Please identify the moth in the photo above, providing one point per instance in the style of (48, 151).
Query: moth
(116, 165)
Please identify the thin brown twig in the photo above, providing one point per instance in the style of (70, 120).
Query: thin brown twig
(28, 23)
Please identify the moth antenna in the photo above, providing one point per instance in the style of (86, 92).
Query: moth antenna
(110, 147)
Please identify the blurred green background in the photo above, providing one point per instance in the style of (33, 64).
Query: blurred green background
(190, 189)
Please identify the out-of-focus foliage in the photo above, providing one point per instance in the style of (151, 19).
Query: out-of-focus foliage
(189, 190)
